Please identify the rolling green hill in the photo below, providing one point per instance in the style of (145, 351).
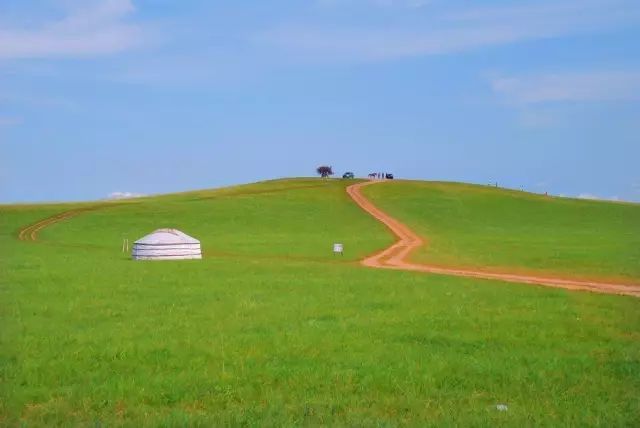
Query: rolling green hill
(500, 230)
(271, 329)
(281, 218)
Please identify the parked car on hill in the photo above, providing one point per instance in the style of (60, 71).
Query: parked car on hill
(348, 175)
(388, 176)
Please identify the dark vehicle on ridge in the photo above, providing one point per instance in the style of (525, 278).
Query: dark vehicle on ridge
(388, 176)
(348, 175)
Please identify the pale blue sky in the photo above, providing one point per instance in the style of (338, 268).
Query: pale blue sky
(154, 96)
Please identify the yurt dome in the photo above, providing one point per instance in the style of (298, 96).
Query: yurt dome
(166, 244)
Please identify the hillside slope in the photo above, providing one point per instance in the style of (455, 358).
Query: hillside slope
(271, 329)
(490, 229)
(299, 218)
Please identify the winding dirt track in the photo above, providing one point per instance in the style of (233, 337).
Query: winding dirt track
(30, 233)
(395, 257)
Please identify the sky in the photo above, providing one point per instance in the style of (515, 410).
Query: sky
(116, 98)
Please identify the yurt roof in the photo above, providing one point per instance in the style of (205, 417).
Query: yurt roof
(167, 236)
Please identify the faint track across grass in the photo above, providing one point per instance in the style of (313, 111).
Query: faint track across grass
(396, 256)
(30, 233)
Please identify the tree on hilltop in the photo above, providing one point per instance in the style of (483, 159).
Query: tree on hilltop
(324, 171)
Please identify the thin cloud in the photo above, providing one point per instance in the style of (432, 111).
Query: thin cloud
(38, 101)
(536, 119)
(570, 86)
(125, 195)
(99, 28)
(593, 197)
(385, 3)
(537, 10)
(454, 31)
(7, 121)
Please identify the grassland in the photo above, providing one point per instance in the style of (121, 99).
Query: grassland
(270, 329)
(493, 229)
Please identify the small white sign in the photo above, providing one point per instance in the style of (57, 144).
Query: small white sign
(338, 248)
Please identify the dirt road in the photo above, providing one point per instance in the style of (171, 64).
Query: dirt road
(30, 233)
(396, 256)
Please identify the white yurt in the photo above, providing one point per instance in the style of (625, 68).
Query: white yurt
(166, 244)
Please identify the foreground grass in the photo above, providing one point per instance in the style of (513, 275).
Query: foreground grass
(258, 336)
(494, 229)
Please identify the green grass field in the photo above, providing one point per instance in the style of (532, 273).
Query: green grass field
(271, 329)
(494, 229)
